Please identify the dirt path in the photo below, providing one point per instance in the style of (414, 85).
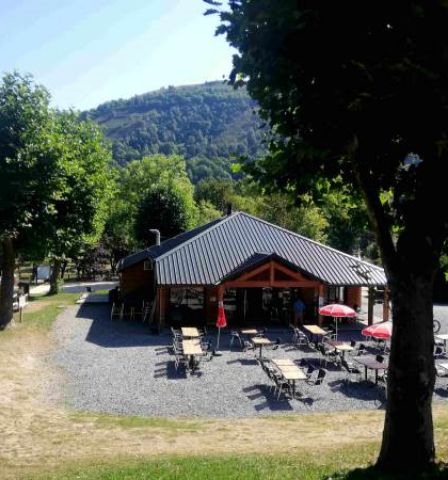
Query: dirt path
(36, 432)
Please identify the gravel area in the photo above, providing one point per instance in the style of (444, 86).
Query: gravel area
(118, 367)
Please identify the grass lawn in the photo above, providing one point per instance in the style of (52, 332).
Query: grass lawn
(44, 439)
(342, 464)
(41, 312)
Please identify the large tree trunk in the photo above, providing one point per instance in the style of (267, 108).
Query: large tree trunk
(63, 268)
(55, 278)
(7, 283)
(408, 439)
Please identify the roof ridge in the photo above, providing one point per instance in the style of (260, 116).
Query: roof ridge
(277, 227)
(223, 219)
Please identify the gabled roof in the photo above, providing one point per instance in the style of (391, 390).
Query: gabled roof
(209, 254)
(258, 259)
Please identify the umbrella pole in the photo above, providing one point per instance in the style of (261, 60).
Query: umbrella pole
(217, 342)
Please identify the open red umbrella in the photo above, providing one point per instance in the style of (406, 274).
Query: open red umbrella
(379, 330)
(337, 310)
(221, 321)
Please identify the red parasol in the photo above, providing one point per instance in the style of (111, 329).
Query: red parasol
(379, 330)
(337, 310)
(221, 321)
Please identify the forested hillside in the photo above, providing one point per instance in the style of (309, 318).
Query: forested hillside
(208, 124)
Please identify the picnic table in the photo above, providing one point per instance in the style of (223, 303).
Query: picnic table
(290, 372)
(283, 362)
(249, 331)
(340, 346)
(192, 348)
(315, 331)
(260, 341)
(190, 332)
(371, 363)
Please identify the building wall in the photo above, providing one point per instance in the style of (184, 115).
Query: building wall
(136, 281)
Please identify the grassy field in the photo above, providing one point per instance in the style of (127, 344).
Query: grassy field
(43, 439)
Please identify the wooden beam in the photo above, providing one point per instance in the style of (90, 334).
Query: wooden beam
(320, 302)
(386, 309)
(271, 272)
(275, 284)
(371, 302)
(254, 272)
(292, 273)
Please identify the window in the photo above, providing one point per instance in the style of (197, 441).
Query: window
(334, 294)
(191, 297)
(147, 265)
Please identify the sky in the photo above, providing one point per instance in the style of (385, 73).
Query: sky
(89, 51)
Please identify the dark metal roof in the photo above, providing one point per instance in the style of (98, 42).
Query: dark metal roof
(157, 250)
(209, 254)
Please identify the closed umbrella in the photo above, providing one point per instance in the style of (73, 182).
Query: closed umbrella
(337, 310)
(381, 330)
(221, 321)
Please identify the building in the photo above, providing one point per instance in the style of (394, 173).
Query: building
(256, 268)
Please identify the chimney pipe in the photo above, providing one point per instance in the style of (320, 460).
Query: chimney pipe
(229, 209)
(156, 234)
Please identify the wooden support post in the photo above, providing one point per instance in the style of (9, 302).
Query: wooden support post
(220, 293)
(161, 306)
(370, 306)
(386, 308)
(320, 302)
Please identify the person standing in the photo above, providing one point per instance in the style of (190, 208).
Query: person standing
(299, 310)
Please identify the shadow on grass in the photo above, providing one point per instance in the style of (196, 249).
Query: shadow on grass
(439, 471)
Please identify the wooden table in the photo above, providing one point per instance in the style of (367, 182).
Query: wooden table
(260, 341)
(283, 362)
(315, 331)
(249, 331)
(340, 346)
(191, 349)
(291, 373)
(371, 363)
(190, 332)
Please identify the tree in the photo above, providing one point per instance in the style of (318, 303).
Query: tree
(27, 180)
(163, 209)
(84, 185)
(359, 91)
(219, 192)
(135, 182)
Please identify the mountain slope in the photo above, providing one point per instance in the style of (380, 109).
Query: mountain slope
(209, 124)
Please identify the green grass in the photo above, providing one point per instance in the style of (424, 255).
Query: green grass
(340, 465)
(43, 318)
(246, 467)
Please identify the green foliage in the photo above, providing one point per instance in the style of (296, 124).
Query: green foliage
(218, 192)
(85, 185)
(165, 209)
(142, 187)
(339, 107)
(206, 124)
(206, 212)
(307, 219)
(28, 187)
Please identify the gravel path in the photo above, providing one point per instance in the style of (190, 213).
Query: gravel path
(118, 367)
